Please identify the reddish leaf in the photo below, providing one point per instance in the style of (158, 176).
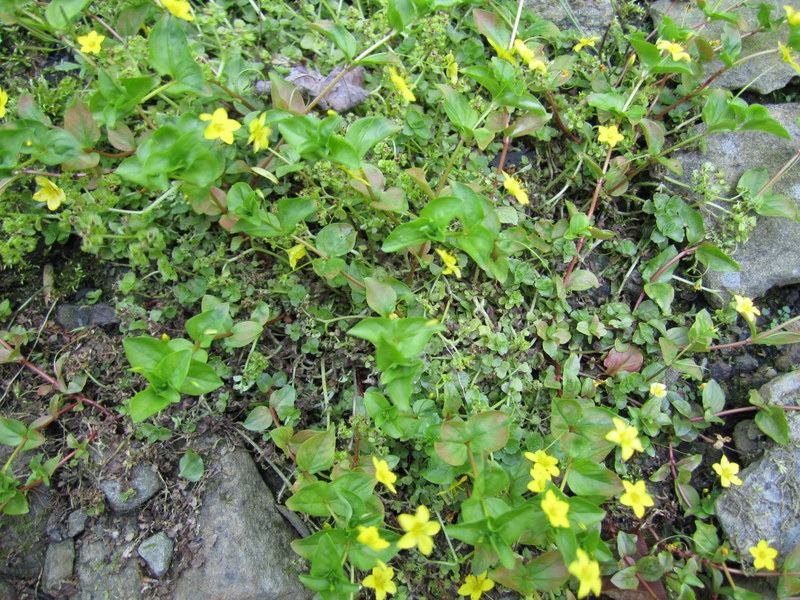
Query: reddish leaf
(629, 360)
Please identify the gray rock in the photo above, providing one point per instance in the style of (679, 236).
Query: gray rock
(105, 567)
(7, 591)
(23, 540)
(771, 257)
(76, 316)
(764, 507)
(769, 71)
(58, 565)
(245, 551)
(144, 482)
(157, 553)
(591, 17)
(748, 438)
(76, 523)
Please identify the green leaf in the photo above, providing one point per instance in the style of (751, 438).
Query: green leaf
(148, 402)
(259, 419)
(144, 352)
(172, 369)
(12, 432)
(488, 431)
(789, 585)
(200, 379)
(368, 131)
(406, 235)
(60, 13)
(206, 326)
(312, 499)
(581, 280)
(547, 572)
(662, 294)
(191, 465)
(451, 446)
(715, 259)
(316, 453)
(243, 334)
(336, 239)
(705, 539)
(17, 505)
(79, 122)
(381, 297)
(341, 38)
(459, 111)
(772, 421)
(168, 53)
(588, 478)
(401, 13)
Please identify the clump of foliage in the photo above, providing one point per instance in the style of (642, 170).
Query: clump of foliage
(475, 213)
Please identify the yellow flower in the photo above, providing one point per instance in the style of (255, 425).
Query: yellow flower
(786, 56)
(296, 253)
(609, 135)
(792, 15)
(383, 474)
(381, 581)
(588, 573)
(401, 85)
(676, 50)
(636, 497)
(419, 530)
(529, 56)
(555, 509)
(764, 555)
(259, 133)
(627, 436)
(3, 100)
(514, 187)
(502, 52)
(539, 478)
(727, 472)
(370, 536)
(659, 390)
(450, 263)
(90, 44)
(548, 463)
(178, 8)
(50, 193)
(451, 70)
(220, 127)
(746, 308)
(475, 585)
(584, 42)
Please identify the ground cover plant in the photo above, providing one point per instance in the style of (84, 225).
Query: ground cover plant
(423, 250)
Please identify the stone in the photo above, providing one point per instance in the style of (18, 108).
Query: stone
(771, 256)
(104, 565)
(58, 565)
(76, 523)
(144, 482)
(767, 73)
(592, 16)
(7, 591)
(764, 506)
(23, 539)
(157, 553)
(77, 316)
(245, 552)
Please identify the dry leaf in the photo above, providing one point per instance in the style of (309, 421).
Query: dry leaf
(345, 95)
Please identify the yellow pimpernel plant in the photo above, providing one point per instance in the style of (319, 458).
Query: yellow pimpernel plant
(539, 478)
(90, 43)
(371, 537)
(764, 556)
(49, 193)
(259, 133)
(295, 254)
(745, 307)
(547, 462)
(384, 474)
(626, 436)
(555, 509)
(529, 56)
(179, 8)
(792, 15)
(659, 390)
(419, 530)
(380, 580)
(220, 126)
(587, 572)
(636, 497)
(676, 50)
(585, 43)
(450, 263)
(609, 135)
(727, 472)
(401, 85)
(475, 585)
(786, 56)
(514, 187)
(3, 102)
